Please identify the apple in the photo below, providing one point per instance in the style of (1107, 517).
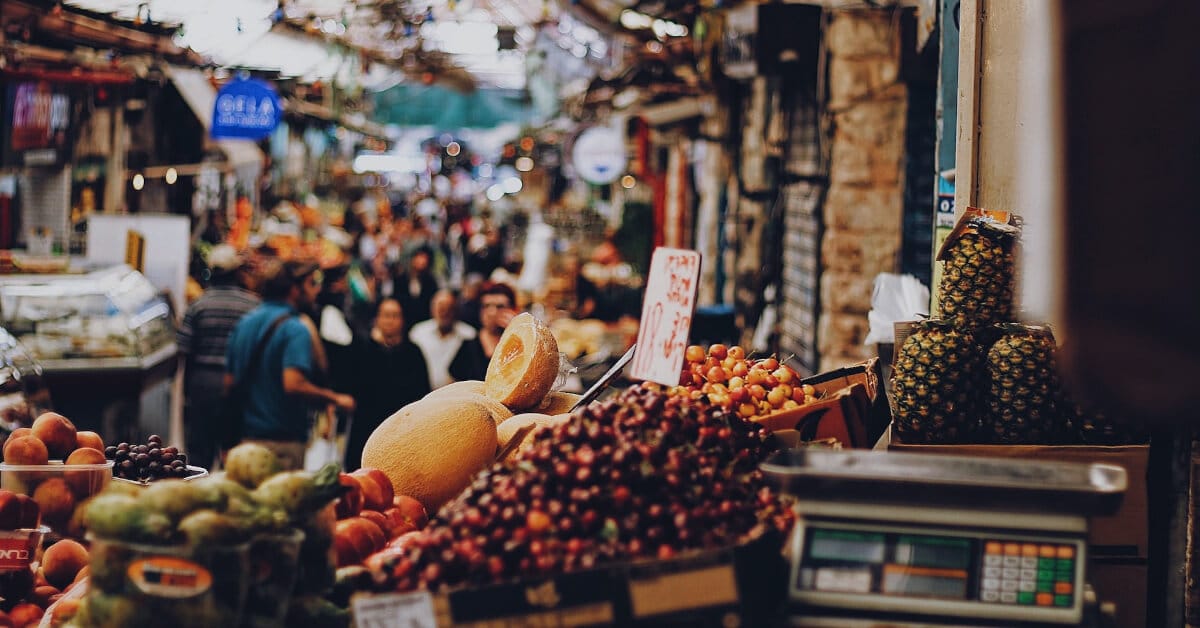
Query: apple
(356, 538)
(398, 524)
(377, 488)
(412, 510)
(31, 512)
(10, 510)
(351, 502)
(379, 519)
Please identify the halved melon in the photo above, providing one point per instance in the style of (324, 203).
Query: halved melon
(512, 427)
(431, 449)
(557, 403)
(524, 365)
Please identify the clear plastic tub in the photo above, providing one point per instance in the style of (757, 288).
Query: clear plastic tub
(63, 488)
(274, 566)
(181, 586)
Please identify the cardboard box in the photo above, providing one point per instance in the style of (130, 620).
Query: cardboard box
(877, 414)
(745, 584)
(837, 416)
(1123, 534)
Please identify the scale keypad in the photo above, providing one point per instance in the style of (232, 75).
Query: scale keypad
(1028, 574)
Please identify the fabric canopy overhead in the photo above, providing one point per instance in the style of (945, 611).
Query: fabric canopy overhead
(200, 97)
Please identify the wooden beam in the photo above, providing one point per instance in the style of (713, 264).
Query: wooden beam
(966, 187)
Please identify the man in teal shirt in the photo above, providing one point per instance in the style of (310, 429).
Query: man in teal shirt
(280, 388)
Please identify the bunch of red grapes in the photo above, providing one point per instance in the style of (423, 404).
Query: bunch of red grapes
(644, 475)
(749, 388)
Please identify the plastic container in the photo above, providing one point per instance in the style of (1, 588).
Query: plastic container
(72, 484)
(274, 566)
(19, 549)
(181, 586)
(194, 473)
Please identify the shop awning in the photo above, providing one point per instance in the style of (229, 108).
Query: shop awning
(200, 96)
(353, 121)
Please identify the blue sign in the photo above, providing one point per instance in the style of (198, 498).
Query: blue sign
(246, 109)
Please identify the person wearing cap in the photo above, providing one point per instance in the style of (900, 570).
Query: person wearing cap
(202, 338)
(281, 392)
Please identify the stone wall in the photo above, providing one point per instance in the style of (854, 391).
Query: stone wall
(864, 208)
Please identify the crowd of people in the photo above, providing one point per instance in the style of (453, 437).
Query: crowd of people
(286, 345)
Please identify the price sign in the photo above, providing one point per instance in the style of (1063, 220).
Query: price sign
(394, 610)
(666, 315)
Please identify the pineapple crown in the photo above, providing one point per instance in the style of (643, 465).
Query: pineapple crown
(1023, 328)
(996, 229)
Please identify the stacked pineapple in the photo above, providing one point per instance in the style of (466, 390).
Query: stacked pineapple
(931, 384)
(974, 376)
(1002, 385)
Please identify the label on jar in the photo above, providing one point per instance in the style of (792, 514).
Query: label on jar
(14, 553)
(164, 576)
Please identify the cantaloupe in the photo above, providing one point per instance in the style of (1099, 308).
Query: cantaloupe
(469, 386)
(512, 427)
(524, 364)
(431, 449)
(472, 390)
(557, 403)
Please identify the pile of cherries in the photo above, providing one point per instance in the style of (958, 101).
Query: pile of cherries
(147, 462)
(645, 475)
(748, 387)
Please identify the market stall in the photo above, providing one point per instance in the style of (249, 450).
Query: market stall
(105, 342)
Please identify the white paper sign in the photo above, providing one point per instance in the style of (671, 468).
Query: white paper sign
(394, 610)
(666, 315)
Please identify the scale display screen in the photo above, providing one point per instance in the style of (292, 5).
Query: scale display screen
(970, 569)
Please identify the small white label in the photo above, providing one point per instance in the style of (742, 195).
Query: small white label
(844, 580)
(394, 610)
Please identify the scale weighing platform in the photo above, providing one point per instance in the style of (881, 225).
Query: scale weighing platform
(902, 539)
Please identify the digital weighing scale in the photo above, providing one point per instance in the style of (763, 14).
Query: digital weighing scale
(902, 539)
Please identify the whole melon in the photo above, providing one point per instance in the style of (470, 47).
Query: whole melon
(431, 449)
(455, 389)
(472, 390)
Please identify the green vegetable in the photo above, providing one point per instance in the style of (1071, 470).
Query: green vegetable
(177, 498)
(126, 518)
(298, 492)
(108, 611)
(205, 527)
(250, 464)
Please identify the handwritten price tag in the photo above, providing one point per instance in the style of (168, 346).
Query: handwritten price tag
(394, 610)
(666, 315)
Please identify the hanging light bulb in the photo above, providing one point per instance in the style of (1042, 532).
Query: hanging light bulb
(171, 176)
(628, 182)
(139, 181)
(524, 164)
